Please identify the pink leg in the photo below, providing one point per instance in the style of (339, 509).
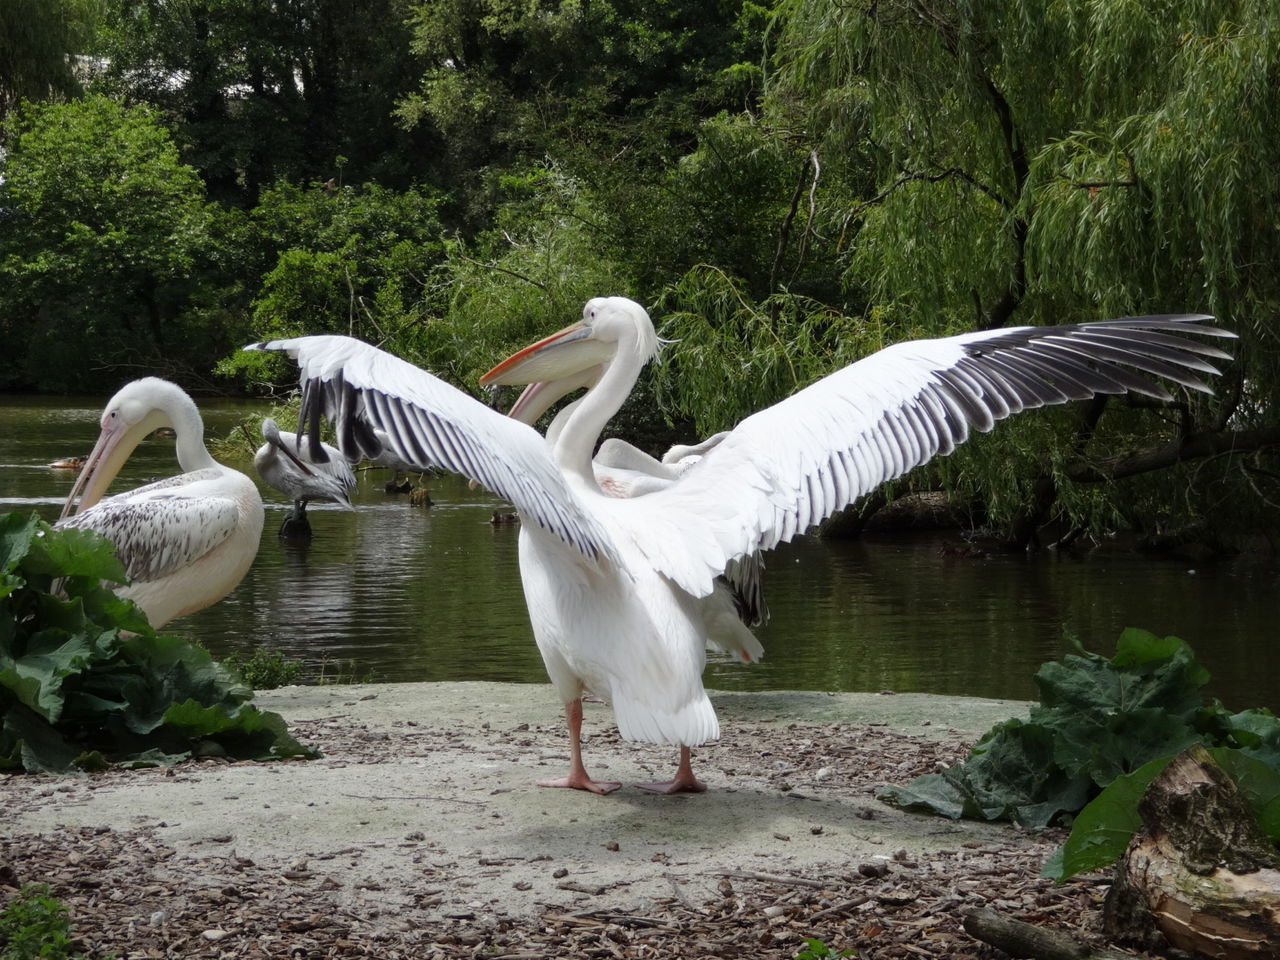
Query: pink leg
(684, 781)
(578, 778)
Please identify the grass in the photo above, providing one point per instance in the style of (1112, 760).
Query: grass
(344, 672)
(268, 669)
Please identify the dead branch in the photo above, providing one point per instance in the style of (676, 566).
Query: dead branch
(1019, 939)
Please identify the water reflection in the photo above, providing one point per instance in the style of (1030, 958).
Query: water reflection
(399, 592)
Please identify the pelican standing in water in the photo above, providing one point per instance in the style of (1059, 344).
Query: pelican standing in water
(185, 541)
(285, 462)
(622, 592)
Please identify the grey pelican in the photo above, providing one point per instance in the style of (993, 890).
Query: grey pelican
(285, 463)
(185, 541)
(618, 588)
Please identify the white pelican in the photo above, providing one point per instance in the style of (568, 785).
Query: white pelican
(623, 470)
(285, 463)
(618, 588)
(185, 541)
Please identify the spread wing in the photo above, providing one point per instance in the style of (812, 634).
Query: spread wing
(383, 407)
(792, 465)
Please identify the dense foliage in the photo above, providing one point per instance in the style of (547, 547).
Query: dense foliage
(787, 184)
(86, 682)
(1103, 729)
(34, 926)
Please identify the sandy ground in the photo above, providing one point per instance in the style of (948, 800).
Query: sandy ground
(424, 805)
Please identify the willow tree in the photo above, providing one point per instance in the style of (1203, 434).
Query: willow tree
(1056, 162)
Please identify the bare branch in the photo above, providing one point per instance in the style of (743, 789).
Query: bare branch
(919, 175)
(510, 273)
(1193, 447)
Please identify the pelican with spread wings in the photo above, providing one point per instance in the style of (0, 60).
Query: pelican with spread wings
(624, 593)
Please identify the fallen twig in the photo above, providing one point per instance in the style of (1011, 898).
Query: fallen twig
(362, 796)
(840, 907)
(773, 878)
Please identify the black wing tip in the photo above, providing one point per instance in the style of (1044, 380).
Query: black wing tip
(1178, 321)
(273, 345)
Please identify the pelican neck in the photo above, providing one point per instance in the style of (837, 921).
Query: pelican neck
(589, 414)
(188, 428)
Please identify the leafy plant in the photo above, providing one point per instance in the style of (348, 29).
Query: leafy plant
(1098, 721)
(1105, 826)
(815, 949)
(35, 926)
(86, 682)
(264, 669)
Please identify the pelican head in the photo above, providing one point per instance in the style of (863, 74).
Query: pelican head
(135, 411)
(577, 355)
(270, 431)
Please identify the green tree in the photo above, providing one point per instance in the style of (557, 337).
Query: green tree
(361, 261)
(256, 92)
(106, 239)
(38, 40)
(602, 89)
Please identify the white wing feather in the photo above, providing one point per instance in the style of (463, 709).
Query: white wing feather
(794, 464)
(379, 403)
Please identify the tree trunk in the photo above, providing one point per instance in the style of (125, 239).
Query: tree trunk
(1200, 871)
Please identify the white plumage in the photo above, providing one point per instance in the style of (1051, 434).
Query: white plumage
(185, 541)
(618, 588)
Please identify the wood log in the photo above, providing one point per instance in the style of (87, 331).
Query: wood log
(1200, 871)
(1020, 939)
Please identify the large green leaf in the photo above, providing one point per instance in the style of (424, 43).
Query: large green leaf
(932, 793)
(1097, 720)
(1009, 775)
(1105, 826)
(76, 553)
(1259, 783)
(16, 534)
(40, 747)
(1257, 733)
(85, 680)
(36, 677)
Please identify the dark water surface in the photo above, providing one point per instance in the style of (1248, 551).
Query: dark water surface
(396, 592)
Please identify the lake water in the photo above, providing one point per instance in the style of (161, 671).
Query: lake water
(399, 592)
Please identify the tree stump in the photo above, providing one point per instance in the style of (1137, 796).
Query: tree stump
(1200, 871)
